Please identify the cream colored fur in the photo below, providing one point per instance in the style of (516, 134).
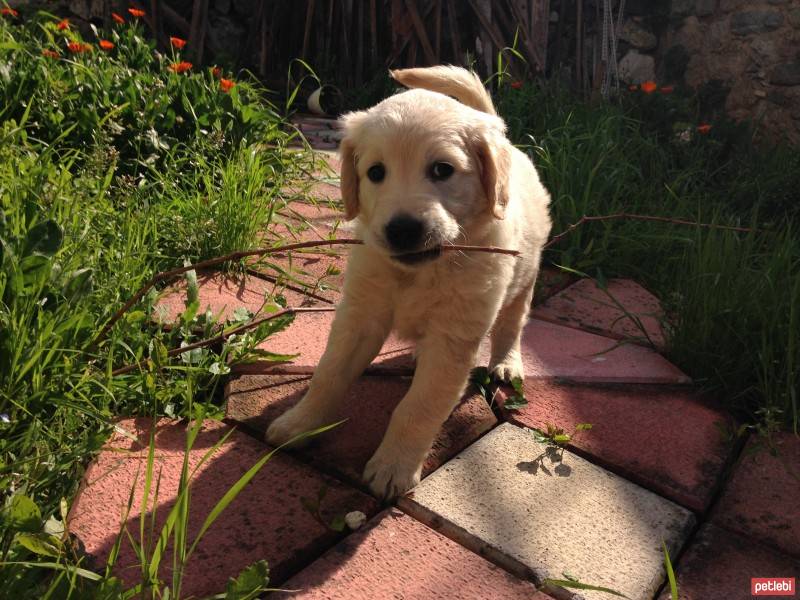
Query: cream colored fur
(446, 305)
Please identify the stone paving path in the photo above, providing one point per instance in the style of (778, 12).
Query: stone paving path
(499, 510)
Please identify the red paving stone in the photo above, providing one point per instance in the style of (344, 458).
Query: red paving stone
(583, 305)
(667, 440)
(266, 521)
(221, 293)
(556, 351)
(762, 498)
(394, 556)
(307, 336)
(255, 400)
(718, 565)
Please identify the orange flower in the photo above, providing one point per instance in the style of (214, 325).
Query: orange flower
(226, 84)
(703, 128)
(50, 53)
(648, 87)
(106, 45)
(117, 18)
(9, 12)
(136, 12)
(63, 24)
(633, 88)
(667, 89)
(180, 67)
(516, 85)
(216, 72)
(78, 47)
(177, 42)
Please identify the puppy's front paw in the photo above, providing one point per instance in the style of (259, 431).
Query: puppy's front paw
(288, 426)
(388, 479)
(509, 369)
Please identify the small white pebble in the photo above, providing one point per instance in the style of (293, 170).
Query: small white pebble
(355, 519)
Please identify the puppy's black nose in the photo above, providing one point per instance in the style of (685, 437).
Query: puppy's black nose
(404, 233)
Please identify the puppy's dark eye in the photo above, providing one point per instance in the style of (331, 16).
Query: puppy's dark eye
(376, 173)
(441, 170)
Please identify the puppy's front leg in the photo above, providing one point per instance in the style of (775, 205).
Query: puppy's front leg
(442, 371)
(356, 337)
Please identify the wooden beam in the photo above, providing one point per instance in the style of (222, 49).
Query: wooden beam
(540, 22)
(422, 35)
(307, 28)
(453, 27)
(177, 21)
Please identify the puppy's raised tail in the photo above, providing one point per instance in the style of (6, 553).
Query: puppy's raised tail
(463, 85)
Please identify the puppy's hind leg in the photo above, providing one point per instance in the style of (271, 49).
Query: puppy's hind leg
(353, 342)
(506, 361)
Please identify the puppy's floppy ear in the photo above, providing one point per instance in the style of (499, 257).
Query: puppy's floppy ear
(351, 124)
(349, 179)
(494, 156)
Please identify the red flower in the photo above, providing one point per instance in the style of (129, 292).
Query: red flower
(177, 42)
(106, 45)
(226, 84)
(78, 47)
(136, 12)
(667, 89)
(63, 24)
(50, 53)
(648, 87)
(180, 67)
(216, 72)
(516, 85)
(8, 12)
(117, 18)
(703, 128)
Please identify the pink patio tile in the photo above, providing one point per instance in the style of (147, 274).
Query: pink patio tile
(665, 439)
(307, 337)
(555, 351)
(315, 274)
(762, 498)
(255, 400)
(219, 292)
(266, 521)
(583, 305)
(395, 556)
(719, 565)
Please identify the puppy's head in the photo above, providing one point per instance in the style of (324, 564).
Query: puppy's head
(421, 170)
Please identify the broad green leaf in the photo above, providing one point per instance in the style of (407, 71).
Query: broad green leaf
(79, 284)
(33, 271)
(250, 582)
(44, 238)
(22, 514)
(42, 544)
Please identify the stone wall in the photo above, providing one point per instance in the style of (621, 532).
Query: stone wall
(745, 52)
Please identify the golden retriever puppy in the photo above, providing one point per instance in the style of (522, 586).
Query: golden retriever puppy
(425, 168)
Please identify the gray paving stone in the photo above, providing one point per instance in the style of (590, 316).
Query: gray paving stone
(508, 498)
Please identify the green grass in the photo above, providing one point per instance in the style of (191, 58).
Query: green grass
(733, 297)
(112, 168)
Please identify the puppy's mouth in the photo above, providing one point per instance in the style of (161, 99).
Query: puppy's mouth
(415, 258)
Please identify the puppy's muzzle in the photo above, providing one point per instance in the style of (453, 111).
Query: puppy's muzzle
(406, 236)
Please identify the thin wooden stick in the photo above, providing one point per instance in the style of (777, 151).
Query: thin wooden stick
(211, 262)
(224, 336)
(585, 219)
